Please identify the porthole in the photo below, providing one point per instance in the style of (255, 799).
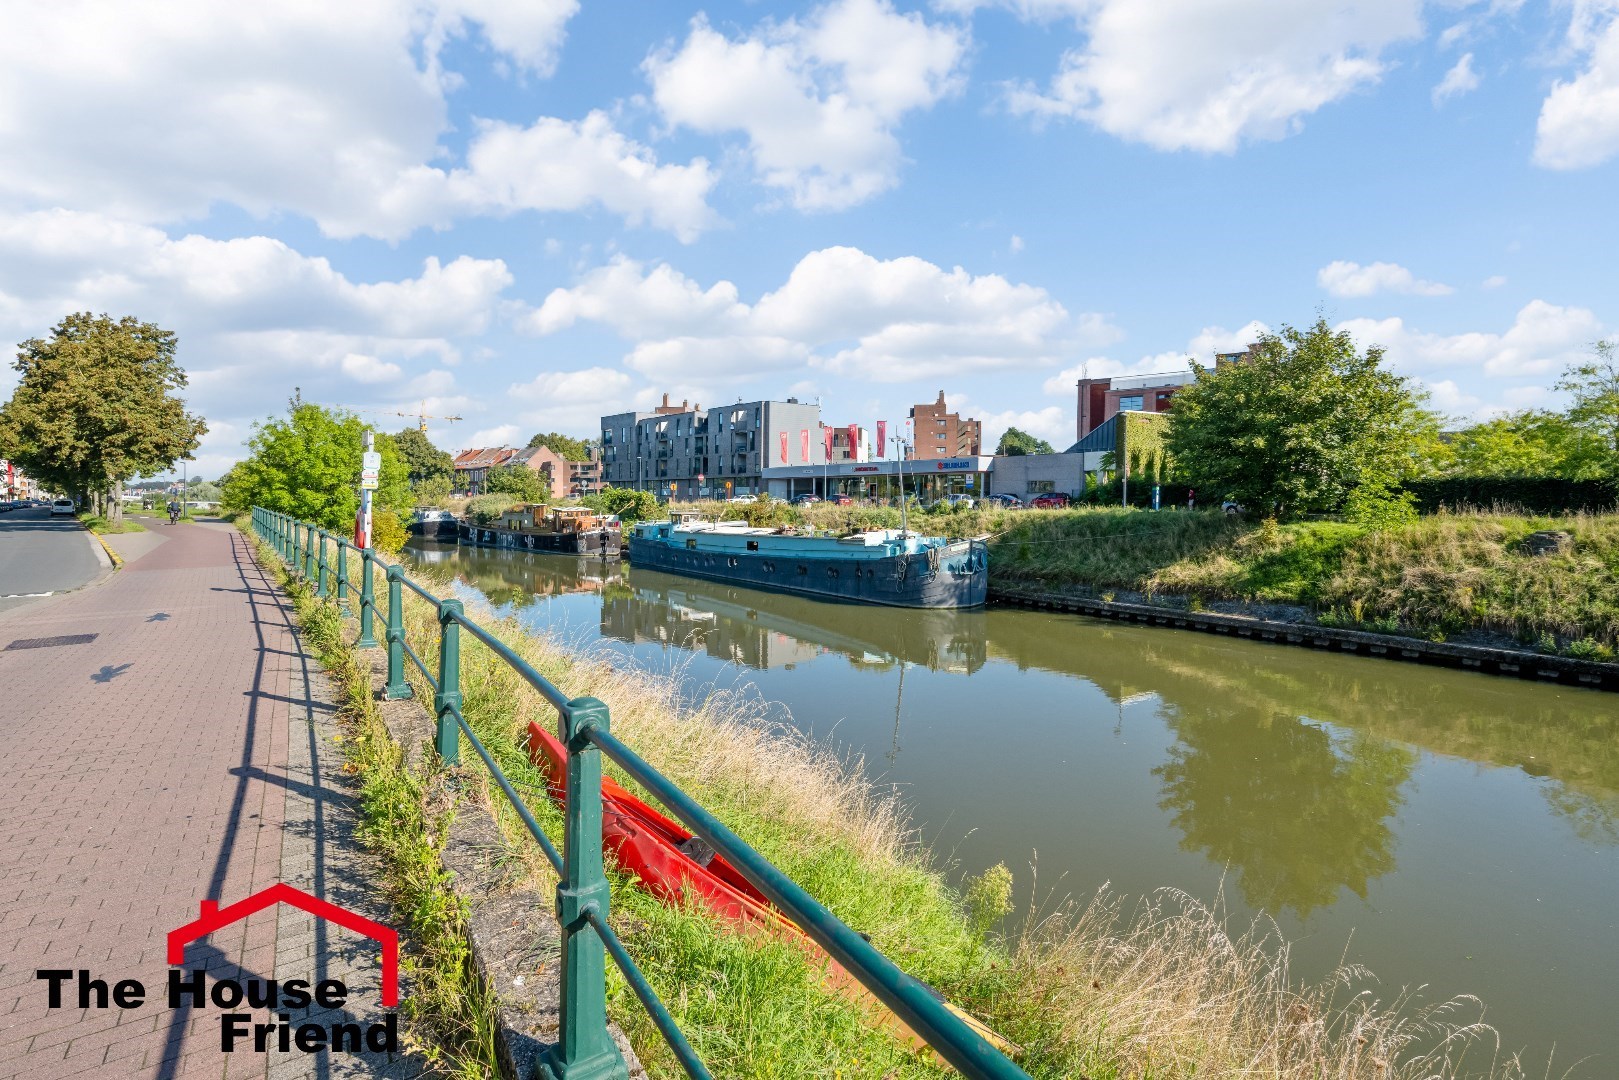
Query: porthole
(753, 545)
(803, 569)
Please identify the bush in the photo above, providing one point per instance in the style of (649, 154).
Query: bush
(1531, 494)
(486, 509)
(387, 532)
(433, 491)
(628, 503)
(518, 481)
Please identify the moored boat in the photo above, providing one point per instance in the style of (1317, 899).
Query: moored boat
(565, 530)
(894, 567)
(431, 523)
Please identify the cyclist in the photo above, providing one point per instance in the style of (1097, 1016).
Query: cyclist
(174, 511)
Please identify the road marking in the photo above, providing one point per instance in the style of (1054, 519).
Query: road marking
(19, 595)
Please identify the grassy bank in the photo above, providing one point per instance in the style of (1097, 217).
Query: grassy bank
(1445, 576)
(1105, 988)
(98, 524)
(448, 1015)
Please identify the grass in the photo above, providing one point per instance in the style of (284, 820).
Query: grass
(98, 524)
(1442, 576)
(449, 1016)
(1162, 988)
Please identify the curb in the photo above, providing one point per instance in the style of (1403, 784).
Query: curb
(117, 561)
(1586, 674)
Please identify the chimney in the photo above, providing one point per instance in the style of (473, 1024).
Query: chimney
(666, 401)
(940, 402)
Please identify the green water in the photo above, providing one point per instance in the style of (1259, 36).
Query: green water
(1445, 829)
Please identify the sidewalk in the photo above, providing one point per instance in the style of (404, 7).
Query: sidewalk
(167, 740)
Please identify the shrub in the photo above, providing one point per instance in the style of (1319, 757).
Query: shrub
(486, 509)
(387, 532)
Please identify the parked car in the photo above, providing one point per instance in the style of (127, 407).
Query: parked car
(806, 500)
(1231, 506)
(963, 501)
(62, 506)
(1051, 500)
(1006, 499)
(840, 500)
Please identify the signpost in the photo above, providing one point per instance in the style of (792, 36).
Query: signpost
(370, 466)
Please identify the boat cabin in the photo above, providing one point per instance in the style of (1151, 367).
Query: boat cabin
(571, 519)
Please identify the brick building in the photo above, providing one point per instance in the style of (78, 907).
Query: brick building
(941, 434)
(566, 479)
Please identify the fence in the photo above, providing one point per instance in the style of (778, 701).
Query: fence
(585, 1050)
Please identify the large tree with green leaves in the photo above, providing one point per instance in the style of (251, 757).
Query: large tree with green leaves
(97, 404)
(1595, 389)
(1016, 442)
(1529, 444)
(570, 449)
(1305, 423)
(423, 460)
(307, 464)
(518, 481)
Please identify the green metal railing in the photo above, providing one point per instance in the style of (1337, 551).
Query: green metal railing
(585, 1050)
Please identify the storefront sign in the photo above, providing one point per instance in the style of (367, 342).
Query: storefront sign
(956, 465)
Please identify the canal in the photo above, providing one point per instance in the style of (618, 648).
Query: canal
(1447, 830)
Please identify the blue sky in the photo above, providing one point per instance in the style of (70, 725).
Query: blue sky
(532, 212)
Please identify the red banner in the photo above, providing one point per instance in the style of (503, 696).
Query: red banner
(826, 437)
(854, 442)
(803, 444)
(784, 448)
(882, 437)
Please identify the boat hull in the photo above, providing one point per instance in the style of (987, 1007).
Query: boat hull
(443, 529)
(959, 578)
(601, 542)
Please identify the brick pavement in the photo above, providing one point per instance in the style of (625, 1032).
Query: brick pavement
(184, 753)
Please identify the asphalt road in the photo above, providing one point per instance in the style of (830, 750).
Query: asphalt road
(41, 554)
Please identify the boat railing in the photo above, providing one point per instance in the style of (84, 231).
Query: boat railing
(323, 561)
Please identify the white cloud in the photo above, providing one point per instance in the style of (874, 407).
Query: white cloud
(1542, 340)
(329, 111)
(1351, 279)
(819, 100)
(1213, 74)
(1579, 120)
(1054, 423)
(1460, 79)
(573, 400)
(1494, 281)
(841, 311)
(368, 369)
(1016, 244)
(499, 435)
(1202, 348)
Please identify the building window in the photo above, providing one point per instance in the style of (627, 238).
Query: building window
(1041, 487)
(1131, 403)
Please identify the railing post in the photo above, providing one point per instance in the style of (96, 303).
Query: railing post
(585, 1050)
(298, 549)
(368, 601)
(309, 555)
(448, 739)
(343, 585)
(286, 538)
(322, 591)
(397, 686)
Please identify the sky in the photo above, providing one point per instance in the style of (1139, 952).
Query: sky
(529, 213)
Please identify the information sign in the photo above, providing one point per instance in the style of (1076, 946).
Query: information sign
(371, 461)
(368, 484)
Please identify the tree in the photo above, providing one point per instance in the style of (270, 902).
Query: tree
(1301, 425)
(569, 448)
(422, 459)
(1016, 442)
(96, 405)
(1533, 443)
(630, 504)
(518, 481)
(1595, 387)
(308, 465)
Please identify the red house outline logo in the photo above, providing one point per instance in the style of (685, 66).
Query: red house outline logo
(213, 917)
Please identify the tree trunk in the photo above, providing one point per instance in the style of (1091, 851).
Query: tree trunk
(115, 507)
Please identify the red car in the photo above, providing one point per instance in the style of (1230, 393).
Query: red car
(1051, 500)
(840, 500)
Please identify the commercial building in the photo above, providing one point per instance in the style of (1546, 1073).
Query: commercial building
(883, 480)
(686, 452)
(940, 434)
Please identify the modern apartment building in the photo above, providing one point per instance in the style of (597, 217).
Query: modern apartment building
(940, 434)
(686, 452)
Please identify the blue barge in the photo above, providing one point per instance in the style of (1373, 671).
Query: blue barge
(882, 566)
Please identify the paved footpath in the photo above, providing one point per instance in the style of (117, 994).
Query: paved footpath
(165, 739)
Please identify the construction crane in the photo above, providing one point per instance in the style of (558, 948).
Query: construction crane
(422, 417)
